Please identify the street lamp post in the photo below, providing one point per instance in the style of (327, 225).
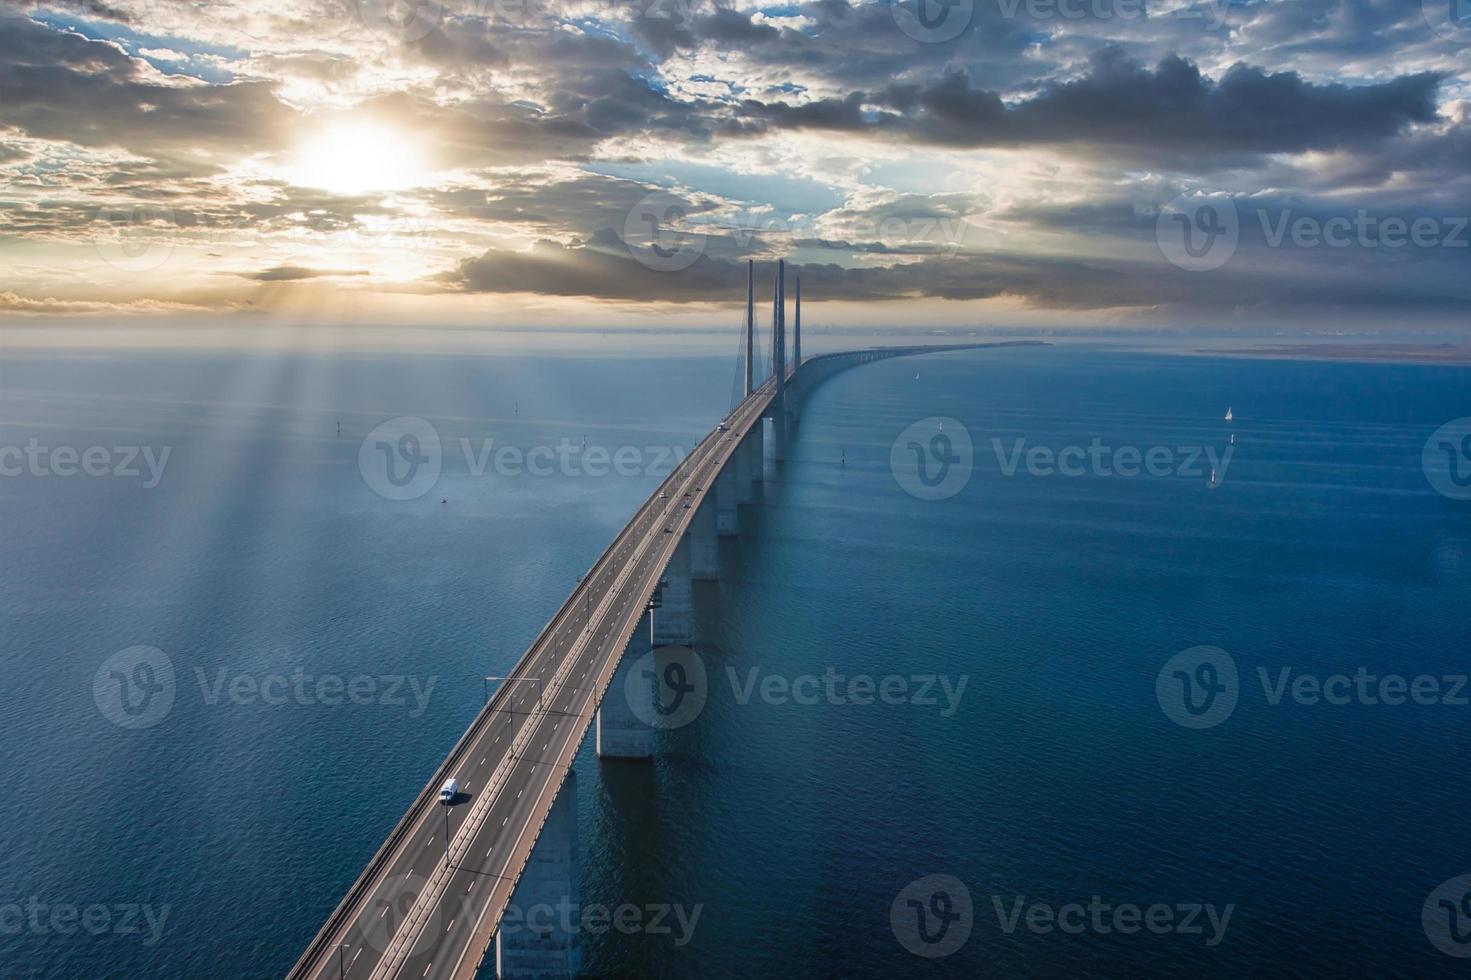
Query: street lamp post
(511, 721)
(341, 963)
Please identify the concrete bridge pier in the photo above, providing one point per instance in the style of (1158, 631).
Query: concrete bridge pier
(674, 620)
(540, 935)
(741, 461)
(757, 441)
(778, 432)
(727, 497)
(704, 548)
(624, 730)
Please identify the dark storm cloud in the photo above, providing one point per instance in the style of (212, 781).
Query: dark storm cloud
(1171, 112)
(59, 85)
(606, 268)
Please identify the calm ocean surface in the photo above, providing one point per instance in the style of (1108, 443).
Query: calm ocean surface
(792, 828)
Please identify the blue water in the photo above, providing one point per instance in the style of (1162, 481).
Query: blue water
(792, 827)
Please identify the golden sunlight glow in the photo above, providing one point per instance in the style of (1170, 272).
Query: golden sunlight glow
(357, 158)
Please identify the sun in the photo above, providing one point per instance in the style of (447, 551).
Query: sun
(357, 158)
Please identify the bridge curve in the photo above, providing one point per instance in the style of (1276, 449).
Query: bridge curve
(429, 902)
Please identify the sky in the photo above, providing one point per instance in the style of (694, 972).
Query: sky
(1163, 164)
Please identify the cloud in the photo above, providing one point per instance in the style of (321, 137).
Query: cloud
(1171, 114)
(62, 86)
(294, 273)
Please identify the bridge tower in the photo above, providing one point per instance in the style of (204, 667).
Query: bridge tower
(779, 364)
(750, 322)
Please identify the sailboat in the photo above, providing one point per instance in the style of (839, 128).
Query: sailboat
(1229, 415)
(1214, 482)
(1233, 438)
(916, 375)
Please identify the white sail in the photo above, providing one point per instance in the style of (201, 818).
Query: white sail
(1229, 416)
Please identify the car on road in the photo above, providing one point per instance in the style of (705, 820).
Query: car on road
(663, 495)
(449, 790)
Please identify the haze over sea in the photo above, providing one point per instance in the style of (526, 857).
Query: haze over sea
(1059, 775)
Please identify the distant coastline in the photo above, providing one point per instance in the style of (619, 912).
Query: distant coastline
(1373, 353)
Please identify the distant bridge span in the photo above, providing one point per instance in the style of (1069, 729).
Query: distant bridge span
(421, 910)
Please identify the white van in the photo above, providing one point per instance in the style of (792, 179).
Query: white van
(449, 791)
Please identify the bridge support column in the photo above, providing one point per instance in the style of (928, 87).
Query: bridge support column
(624, 731)
(727, 520)
(758, 451)
(540, 935)
(704, 548)
(743, 476)
(674, 620)
(778, 432)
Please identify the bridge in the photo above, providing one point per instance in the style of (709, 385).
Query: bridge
(445, 895)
